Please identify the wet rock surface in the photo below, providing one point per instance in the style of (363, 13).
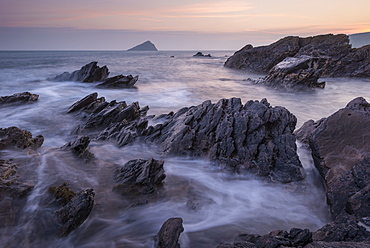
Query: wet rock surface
(297, 73)
(119, 81)
(79, 146)
(344, 234)
(139, 176)
(24, 97)
(76, 211)
(15, 137)
(254, 137)
(340, 149)
(168, 235)
(343, 61)
(89, 73)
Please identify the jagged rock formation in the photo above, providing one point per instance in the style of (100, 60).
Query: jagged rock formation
(295, 73)
(119, 81)
(332, 235)
(25, 97)
(168, 235)
(16, 137)
(343, 61)
(254, 137)
(139, 176)
(146, 46)
(89, 73)
(80, 147)
(75, 212)
(341, 153)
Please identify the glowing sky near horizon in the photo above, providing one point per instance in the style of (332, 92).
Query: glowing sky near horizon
(260, 19)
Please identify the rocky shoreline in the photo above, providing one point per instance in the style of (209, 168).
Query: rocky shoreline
(220, 128)
(254, 139)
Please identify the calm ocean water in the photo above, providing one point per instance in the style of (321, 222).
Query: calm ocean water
(168, 81)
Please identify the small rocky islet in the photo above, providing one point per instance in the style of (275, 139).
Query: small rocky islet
(253, 138)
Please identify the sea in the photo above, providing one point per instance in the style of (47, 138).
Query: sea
(215, 206)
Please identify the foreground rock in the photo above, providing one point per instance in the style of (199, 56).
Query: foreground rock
(75, 212)
(343, 61)
(341, 151)
(15, 137)
(168, 235)
(333, 235)
(13, 190)
(254, 137)
(13, 193)
(295, 73)
(89, 73)
(80, 147)
(25, 97)
(119, 81)
(139, 176)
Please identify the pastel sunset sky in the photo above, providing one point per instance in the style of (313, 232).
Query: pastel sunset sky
(172, 24)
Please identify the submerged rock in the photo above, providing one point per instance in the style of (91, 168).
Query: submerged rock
(88, 73)
(341, 153)
(12, 193)
(75, 212)
(140, 176)
(16, 137)
(119, 81)
(25, 97)
(343, 61)
(168, 235)
(295, 73)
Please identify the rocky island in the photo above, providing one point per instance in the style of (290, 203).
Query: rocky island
(146, 46)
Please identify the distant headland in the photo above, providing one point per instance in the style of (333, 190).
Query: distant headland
(146, 46)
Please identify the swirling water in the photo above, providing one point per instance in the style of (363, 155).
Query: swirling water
(215, 206)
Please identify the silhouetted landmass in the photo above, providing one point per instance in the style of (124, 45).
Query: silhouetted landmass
(359, 40)
(146, 46)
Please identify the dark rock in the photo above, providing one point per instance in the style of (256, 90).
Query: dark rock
(263, 58)
(146, 46)
(102, 114)
(140, 176)
(341, 153)
(294, 238)
(16, 137)
(254, 137)
(168, 235)
(295, 73)
(25, 97)
(88, 73)
(321, 244)
(119, 81)
(12, 192)
(83, 103)
(75, 212)
(80, 147)
(200, 54)
(343, 61)
(342, 231)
